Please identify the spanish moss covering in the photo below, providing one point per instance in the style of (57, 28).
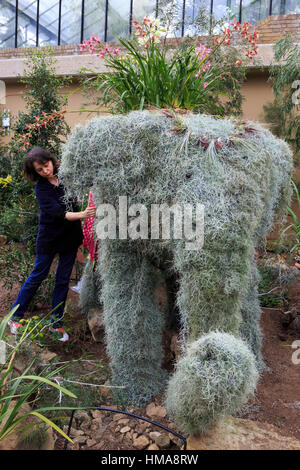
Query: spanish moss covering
(240, 173)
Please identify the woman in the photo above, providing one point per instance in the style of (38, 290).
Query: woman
(59, 232)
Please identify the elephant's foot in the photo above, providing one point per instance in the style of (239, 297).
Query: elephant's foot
(214, 379)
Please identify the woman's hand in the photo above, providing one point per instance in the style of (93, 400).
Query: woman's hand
(88, 212)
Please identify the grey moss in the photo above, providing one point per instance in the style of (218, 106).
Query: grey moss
(214, 379)
(90, 289)
(241, 174)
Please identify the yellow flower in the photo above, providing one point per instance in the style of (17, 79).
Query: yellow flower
(5, 181)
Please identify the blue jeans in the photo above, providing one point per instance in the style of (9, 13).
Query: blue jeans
(40, 272)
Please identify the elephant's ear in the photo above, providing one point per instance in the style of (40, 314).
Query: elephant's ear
(75, 169)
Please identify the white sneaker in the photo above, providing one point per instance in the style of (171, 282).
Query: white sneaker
(65, 336)
(14, 325)
(77, 287)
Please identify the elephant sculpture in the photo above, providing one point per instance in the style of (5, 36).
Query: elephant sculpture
(239, 173)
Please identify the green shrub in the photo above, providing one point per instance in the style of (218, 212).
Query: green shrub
(295, 226)
(19, 219)
(19, 222)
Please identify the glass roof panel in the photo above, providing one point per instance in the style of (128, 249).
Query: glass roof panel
(142, 8)
(195, 23)
(7, 24)
(285, 7)
(255, 10)
(27, 11)
(48, 22)
(70, 22)
(171, 13)
(94, 18)
(118, 19)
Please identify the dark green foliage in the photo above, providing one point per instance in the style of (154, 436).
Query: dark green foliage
(295, 225)
(33, 439)
(267, 283)
(19, 221)
(42, 94)
(161, 82)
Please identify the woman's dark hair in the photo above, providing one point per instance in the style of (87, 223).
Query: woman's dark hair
(39, 155)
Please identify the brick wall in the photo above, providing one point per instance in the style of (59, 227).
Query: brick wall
(274, 27)
(68, 49)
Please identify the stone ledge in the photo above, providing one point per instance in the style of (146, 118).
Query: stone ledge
(243, 434)
(11, 68)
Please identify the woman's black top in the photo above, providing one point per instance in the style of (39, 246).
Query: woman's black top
(56, 234)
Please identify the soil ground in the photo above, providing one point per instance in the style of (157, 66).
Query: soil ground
(277, 399)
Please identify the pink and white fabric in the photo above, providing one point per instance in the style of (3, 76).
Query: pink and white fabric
(89, 241)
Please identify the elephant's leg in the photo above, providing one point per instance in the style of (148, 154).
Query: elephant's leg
(173, 310)
(210, 293)
(251, 311)
(90, 289)
(133, 322)
(89, 301)
(218, 371)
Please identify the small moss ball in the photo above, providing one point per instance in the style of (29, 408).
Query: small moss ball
(214, 379)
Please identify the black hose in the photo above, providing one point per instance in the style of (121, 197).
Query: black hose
(125, 413)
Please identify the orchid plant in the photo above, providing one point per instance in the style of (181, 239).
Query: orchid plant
(145, 72)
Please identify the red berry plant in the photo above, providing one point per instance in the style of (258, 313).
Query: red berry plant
(34, 131)
(145, 71)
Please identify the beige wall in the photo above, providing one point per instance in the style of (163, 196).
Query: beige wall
(76, 101)
(256, 92)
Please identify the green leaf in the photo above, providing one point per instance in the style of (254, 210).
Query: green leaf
(5, 320)
(49, 382)
(50, 423)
